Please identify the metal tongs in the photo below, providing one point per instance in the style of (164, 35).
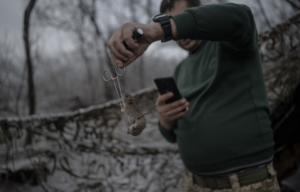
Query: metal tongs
(138, 33)
(118, 90)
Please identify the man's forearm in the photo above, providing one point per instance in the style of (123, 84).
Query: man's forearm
(230, 23)
(174, 28)
(123, 56)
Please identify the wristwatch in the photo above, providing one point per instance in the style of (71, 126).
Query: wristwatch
(164, 20)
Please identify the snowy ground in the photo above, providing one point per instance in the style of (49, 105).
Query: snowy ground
(73, 152)
(89, 150)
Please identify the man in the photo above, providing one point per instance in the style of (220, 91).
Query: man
(224, 136)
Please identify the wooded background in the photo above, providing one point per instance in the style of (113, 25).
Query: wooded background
(56, 66)
(64, 52)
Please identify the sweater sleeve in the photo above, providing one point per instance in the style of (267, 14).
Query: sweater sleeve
(230, 23)
(169, 135)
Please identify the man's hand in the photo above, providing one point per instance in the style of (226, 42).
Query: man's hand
(123, 57)
(171, 111)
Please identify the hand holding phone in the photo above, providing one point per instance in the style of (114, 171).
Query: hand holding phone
(167, 84)
(170, 104)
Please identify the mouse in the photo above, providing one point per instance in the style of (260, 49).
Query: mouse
(134, 113)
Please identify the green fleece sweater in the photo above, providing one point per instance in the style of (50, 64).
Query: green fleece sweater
(227, 125)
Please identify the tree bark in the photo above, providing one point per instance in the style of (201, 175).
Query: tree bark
(30, 79)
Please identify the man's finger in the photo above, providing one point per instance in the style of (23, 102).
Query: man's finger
(130, 60)
(118, 62)
(175, 104)
(127, 36)
(120, 47)
(117, 55)
(163, 98)
(178, 115)
(177, 110)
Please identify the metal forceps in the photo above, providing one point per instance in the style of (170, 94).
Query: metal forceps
(118, 88)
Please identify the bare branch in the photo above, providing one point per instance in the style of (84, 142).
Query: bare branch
(293, 4)
(263, 12)
(30, 80)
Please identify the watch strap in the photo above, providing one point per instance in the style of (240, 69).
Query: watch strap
(164, 20)
(166, 25)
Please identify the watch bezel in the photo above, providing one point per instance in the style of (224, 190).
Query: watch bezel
(164, 20)
(157, 18)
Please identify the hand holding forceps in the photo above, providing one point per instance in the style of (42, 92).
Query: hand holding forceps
(117, 87)
(136, 35)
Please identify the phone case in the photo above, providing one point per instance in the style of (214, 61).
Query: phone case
(165, 85)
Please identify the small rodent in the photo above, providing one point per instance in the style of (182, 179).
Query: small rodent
(133, 112)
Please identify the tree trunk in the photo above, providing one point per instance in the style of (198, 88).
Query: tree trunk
(87, 61)
(92, 14)
(30, 81)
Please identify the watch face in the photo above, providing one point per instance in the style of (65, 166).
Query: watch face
(160, 16)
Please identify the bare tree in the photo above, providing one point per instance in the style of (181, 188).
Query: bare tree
(295, 4)
(263, 13)
(7, 69)
(26, 35)
(149, 9)
(91, 12)
(89, 24)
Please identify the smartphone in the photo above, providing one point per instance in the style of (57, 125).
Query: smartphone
(165, 85)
